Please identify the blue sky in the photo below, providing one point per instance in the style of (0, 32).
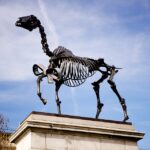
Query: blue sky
(118, 31)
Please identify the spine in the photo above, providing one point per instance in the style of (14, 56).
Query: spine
(44, 43)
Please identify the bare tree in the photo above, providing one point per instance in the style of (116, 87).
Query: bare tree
(3, 128)
(3, 123)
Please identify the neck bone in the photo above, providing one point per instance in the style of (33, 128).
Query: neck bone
(44, 43)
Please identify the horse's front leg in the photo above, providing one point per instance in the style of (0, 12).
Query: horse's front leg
(39, 89)
(58, 102)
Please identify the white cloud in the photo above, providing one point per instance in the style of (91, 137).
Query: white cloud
(49, 24)
(94, 35)
(19, 49)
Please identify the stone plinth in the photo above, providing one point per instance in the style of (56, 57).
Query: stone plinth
(45, 131)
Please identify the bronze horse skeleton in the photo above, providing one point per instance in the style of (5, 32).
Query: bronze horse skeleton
(66, 68)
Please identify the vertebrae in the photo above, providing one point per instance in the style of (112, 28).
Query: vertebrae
(44, 43)
(74, 70)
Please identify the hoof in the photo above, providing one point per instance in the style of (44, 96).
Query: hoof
(125, 119)
(99, 109)
(44, 101)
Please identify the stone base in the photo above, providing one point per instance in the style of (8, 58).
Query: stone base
(45, 131)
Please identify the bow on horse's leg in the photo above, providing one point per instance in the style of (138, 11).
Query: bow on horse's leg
(58, 102)
(114, 88)
(38, 88)
(96, 87)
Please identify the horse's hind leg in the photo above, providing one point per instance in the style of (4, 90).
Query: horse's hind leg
(114, 88)
(96, 87)
(39, 90)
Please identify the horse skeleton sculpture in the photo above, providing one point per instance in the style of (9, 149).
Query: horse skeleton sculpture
(66, 68)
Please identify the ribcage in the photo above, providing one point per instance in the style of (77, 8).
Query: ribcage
(75, 70)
